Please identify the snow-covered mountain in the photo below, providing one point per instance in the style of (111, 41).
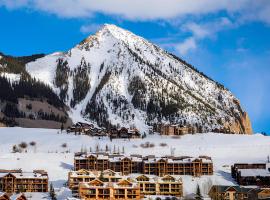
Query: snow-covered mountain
(117, 78)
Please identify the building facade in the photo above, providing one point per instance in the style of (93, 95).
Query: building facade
(174, 129)
(85, 176)
(252, 174)
(218, 192)
(150, 165)
(167, 185)
(15, 181)
(97, 189)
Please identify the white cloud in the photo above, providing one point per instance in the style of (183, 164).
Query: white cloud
(91, 28)
(197, 30)
(188, 45)
(207, 29)
(146, 9)
(200, 32)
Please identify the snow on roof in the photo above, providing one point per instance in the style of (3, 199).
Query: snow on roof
(254, 172)
(109, 184)
(28, 175)
(15, 196)
(2, 194)
(146, 159)
(94, 173)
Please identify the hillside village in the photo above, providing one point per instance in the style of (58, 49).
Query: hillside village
(104, 171)
(117, 117)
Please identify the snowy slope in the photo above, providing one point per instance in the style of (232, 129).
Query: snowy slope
(49, 155)
(115, 77)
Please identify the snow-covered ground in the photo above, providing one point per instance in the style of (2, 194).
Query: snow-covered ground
(48, 154)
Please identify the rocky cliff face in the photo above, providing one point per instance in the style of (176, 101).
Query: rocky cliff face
(117, 78)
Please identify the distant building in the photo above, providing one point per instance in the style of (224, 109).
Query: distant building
(237, 166)
(252, 174)
(124, 133)
(174, 129)
(15, 181)
(218, 192)
(80, 127)
(151, 165)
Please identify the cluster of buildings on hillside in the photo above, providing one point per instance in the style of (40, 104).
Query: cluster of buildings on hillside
(122, 132)
(91, 130)
(179, 129)
(114, 176)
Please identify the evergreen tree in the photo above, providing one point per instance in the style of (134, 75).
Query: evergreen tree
(52, 193)
(62, 127)
(198, 193)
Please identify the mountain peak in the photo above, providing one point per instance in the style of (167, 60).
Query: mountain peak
(116, 31)
(110, 30)
(115, 77)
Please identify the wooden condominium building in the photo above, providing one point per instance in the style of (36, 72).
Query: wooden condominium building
(151, 165)
(97, 189)
(218, 192)
(77, 177)
(148, 184)
(252, 174)
(174, 129)
(15, 181)
(169, 185)
(124, 133)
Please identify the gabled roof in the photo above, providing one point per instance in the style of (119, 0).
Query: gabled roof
(4, 195)
(109, 171)
(168, 177)
(96, 182)
(124, 182)
(143, 176)
(82, 171)
(226, 188)
(17, 196)
(6, 174)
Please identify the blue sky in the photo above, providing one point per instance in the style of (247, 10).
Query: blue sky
(228, 40)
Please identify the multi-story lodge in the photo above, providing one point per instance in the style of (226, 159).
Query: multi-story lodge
(151, 165)
(15, 181)
(77, 177)
(148, 184)
(169, 185)
(252, 174)
(97, 189)
(235, 167)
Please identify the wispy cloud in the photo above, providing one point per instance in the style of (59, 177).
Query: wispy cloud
(147, 10)
(200, 31)
(186, 46)
(90, 28)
